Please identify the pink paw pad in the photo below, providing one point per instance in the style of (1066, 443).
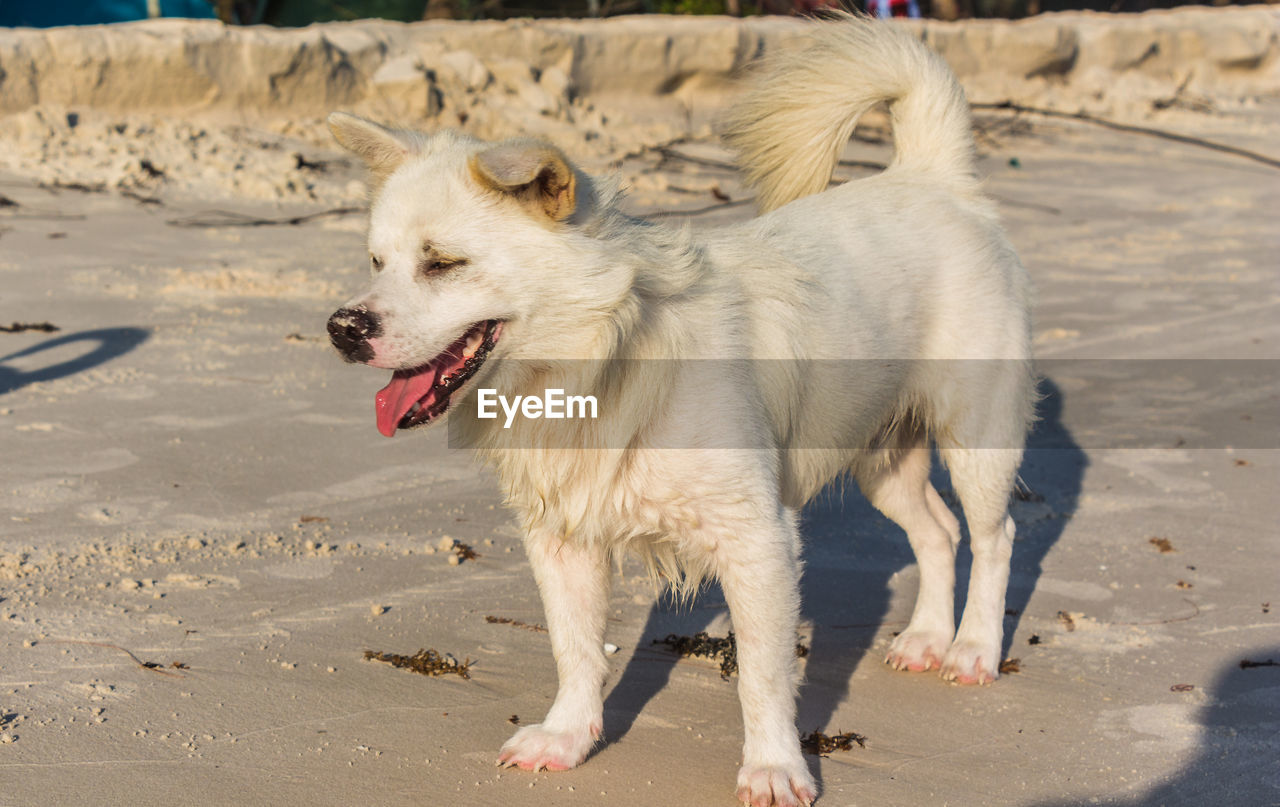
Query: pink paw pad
(917, 651)
(534, 748)
(776, 787)
(976, 678)
(976, 675)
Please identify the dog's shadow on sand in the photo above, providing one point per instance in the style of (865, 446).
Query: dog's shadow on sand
(1235, 762)
(851, 555)
(103, 345)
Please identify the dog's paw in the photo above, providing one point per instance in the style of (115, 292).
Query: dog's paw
(972, 662)
(534, 748)
(776, 785)
(918, 650)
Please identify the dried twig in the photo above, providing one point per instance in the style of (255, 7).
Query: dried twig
(669, 153)
(79, 187)
(19, 327)
(698, 211)
(515, 623)
(1246, 664)
(1069, 622)
(673, 154)
(1143, 130)
(706, 162)
(228, 218)
(1050, 209)
(140, 199)
(146, 665)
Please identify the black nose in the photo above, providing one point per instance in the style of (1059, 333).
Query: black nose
(350, 330)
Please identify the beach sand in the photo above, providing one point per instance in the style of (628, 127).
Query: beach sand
(201, 532)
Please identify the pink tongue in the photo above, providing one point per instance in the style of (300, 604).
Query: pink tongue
(407, 387)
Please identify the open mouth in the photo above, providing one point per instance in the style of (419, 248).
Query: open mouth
(422, 394)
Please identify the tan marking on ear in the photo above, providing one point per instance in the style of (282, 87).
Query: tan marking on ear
(536, 173)
(383, 150)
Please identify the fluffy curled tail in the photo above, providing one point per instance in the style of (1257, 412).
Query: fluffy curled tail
(802, 105)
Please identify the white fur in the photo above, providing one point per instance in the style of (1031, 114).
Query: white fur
(702, 472)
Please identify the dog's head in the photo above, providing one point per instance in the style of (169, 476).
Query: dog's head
(467, 242)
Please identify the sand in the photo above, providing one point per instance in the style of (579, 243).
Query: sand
(201, 531)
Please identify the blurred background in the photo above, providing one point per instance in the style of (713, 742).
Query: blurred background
(290, 13)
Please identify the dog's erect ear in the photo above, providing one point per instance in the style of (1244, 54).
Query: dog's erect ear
(536, 173)
(382, 149)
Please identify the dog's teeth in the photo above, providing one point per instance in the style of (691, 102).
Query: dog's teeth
(473, 343)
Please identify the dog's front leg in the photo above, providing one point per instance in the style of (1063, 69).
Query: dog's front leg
(760, 575)
(574, 583)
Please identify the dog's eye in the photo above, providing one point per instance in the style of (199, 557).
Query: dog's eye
(376, 262)
(435, 266)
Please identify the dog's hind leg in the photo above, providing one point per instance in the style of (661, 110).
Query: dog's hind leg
(574, 583)
(901, 490)
(983, 478)
(759, 571)
(981, 443)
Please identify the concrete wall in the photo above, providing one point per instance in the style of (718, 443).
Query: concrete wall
(169, 65)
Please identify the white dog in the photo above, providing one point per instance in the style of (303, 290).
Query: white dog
(851, 328)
